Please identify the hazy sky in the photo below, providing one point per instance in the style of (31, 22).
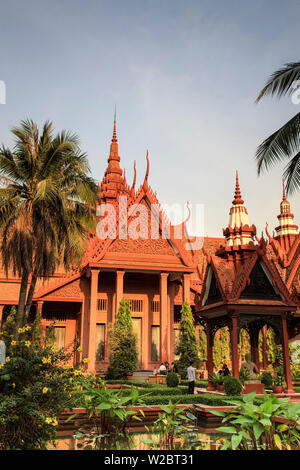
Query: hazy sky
(184, 76)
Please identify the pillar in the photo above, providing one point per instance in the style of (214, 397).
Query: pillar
(186, 288)
(91, 352)
(286, 355)
(210, 362)
(234, 346)
(119, 292)
(1, 314)
(264, 347)
(164, 319)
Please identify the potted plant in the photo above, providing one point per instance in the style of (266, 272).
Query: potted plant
(244, 375)
(277, 386)
(218, 381)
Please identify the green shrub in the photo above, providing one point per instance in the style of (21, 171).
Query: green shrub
(36, 385)
(186, 347)
(123, 344)
(201, 399)
(266, 379)
(172, 379)
(232, 386)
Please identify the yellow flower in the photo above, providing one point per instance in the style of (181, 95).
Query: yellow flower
(45, 390)
(14, 385)
(77, 372)
(27, 328)
(46, 360)
(54, 422)
(7, 359)
(48, 420)
(14, 343)
(71, 379)
(27, 343)
(79, 349)
(85, 360)
(1, 365)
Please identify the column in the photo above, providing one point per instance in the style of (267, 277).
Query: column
(164, 319)
(264, 347)
(286, 355)
(186, 288)
(1, 314)
(210, 362)
(91, 353)
(119, 292)
(234, 346)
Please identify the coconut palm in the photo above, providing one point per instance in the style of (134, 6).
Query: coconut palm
(47, 201)
(284, 144)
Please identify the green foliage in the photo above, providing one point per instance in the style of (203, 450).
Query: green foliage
(186, 348)
(123, 344)
(232, 386)
(172, 379)
(202, 344)
(221, 347)
(108, 413)
(244, 375)
(244, 345)
(36, 385)
(217, 379)
(266, 379)
(173, 429)
(251, 425)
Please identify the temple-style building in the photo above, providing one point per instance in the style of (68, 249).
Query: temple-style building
(237, 280)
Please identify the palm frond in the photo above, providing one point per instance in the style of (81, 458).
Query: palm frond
(281, 81)
(282, 144)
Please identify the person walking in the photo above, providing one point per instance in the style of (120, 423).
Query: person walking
(191, 373)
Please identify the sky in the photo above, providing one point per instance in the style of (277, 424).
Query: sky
(184, 77)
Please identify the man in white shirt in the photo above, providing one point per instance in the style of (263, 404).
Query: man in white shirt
(191, 373)
(162, 369)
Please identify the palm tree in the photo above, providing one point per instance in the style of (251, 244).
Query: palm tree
(47, 202)
(284, 144)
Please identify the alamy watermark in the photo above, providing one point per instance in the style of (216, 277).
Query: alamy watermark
(138, 221)
(2, 92)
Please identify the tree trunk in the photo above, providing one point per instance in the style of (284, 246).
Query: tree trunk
(30, 294)
(22, 300)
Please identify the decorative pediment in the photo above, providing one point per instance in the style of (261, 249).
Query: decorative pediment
(258, 285)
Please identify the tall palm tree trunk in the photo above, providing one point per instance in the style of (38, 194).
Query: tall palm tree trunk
(22, 300)
(30, 293)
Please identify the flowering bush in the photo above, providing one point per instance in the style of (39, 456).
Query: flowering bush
(36, 384)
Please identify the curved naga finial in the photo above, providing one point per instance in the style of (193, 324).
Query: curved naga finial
(134, 180)
(145, 185)
(267, 232)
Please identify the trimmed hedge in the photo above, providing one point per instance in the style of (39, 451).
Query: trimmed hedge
(202, 398)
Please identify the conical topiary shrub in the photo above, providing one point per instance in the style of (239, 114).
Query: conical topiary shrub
(123, 358)
(186, 348)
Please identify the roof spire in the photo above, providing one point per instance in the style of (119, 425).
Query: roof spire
(237, 196)
(239, 232)
(114, 137)
(283, 196)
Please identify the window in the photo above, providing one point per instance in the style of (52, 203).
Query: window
(52, 316)
(59, 336)
(136, 305)
(155, 306)
(155, 343)
(102, 305)
(100, 342)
